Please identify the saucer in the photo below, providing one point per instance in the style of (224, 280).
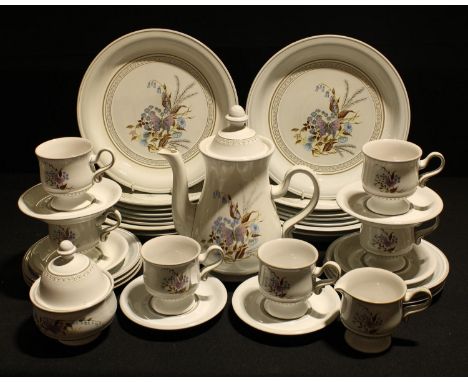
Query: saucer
(120, 256)
(247, 302)
(35, 202)
(425, 205)
(135, 304)
(434, 282)
(418, 263)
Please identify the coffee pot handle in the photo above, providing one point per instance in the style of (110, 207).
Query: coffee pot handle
(281, 189)
(419, 307)
(423, 164)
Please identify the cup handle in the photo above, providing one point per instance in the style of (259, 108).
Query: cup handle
(335, 270)
(203, 256)
(419, 234)
(94, 159)
(423, 164)
(412, 309)
(107, 230)
(281, 190)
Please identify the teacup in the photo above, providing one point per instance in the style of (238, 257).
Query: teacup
(372, 306)
(171, 272)
(390, 243)
(288, 276)
(67, 170)
(85, 233)
(391, 173)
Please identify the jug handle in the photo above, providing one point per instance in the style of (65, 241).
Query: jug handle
(281, 190)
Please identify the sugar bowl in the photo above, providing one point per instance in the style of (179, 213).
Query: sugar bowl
(73, 301)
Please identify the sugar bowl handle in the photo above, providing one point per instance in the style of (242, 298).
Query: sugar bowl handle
(281, 190)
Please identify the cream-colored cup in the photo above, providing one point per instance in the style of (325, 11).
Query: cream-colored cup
(85, 233)
(288, 276)
(391, 173)
(67, 171)
(372, 306)
(171, 272)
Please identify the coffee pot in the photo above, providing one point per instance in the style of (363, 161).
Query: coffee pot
(236, 209)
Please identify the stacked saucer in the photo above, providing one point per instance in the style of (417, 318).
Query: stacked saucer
(113, 249)
(327, 220)
(395, 241)
(149, 215)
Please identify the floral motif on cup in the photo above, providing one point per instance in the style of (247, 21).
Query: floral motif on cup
(385, 241)
(176, 283)
(237, 233)
(163, 125)
(63, 327)
(367, 321)
(387, 181)
(59, 234)
(56, 177)
(277, 286)
(328, 131)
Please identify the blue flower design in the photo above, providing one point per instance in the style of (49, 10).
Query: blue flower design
(348, 127)
(343, 139)
(181, 122)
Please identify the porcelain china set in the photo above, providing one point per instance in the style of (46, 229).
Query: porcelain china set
(322, 111)
(74, 201)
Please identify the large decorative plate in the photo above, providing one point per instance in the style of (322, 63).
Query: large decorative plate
(150, 89)
(320, 99)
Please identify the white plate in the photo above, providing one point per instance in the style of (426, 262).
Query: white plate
(334, 229)
(420, 264)
(119, 242)
(435, 282)
(151, 200)
(299, 80)
(300, 203)
(135, 304)
(35, 202)
(425, 205)
(170, 81)
(147, 223)
(135, 227)
(129, 276)
(247, 302)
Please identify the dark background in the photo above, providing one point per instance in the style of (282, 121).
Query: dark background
(44, 54)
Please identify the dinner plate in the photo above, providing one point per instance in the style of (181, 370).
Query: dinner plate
(146, 201)
(150, 89)
(320, 100)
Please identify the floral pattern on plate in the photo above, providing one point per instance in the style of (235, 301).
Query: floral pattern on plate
(236, 234)
(387, 181)
(176, 283)
(328, 132)
(385, 241)
(163, 125)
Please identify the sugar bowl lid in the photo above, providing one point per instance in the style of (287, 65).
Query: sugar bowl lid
(236, 141)
(70, 282)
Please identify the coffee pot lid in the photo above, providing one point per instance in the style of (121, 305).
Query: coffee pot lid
(70, 282)
(236, 141)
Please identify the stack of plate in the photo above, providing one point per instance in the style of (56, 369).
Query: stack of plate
(148, 90)
(149, 215)
(119, 255)
(326, 221)
(320, 100)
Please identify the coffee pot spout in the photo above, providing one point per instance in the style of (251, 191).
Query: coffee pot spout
(183, 211)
